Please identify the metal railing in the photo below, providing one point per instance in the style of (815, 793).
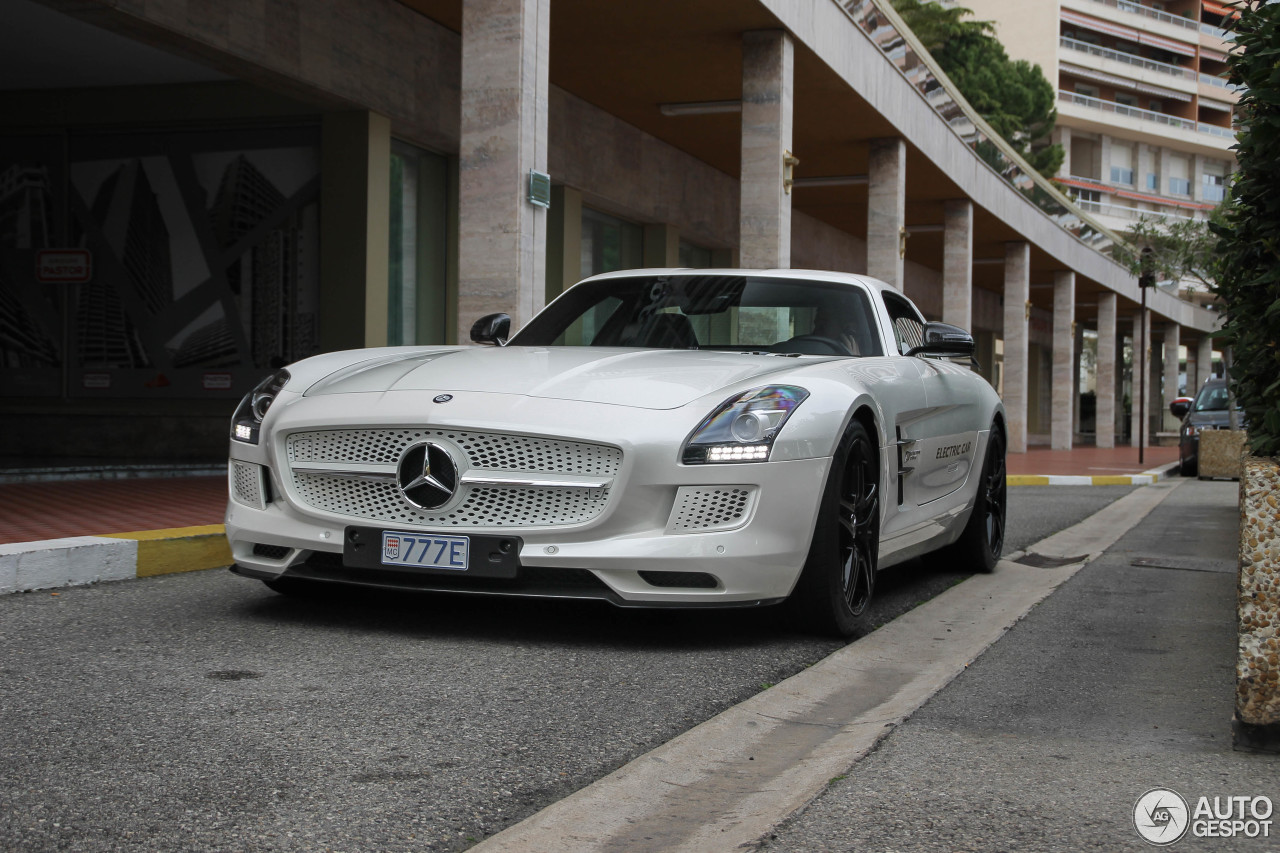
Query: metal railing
(1121, 109)
(1127, 58)
(1120, 211)
(1215, 80)
(1138, 9)
(1215, 30)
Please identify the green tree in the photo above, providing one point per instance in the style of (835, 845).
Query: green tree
(1180, 248)
(1248, 285)
(1012, 96)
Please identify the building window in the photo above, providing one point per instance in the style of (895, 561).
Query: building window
(1126, 100)
(609, 244)
(1179, 186)
(695, 257)
(416, 288)
(1121, 175)
(1153, 181)
(1087, 90)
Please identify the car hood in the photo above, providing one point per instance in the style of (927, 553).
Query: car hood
(647, 379)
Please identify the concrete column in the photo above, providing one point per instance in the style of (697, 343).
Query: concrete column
(564, 240)
(1076, 389)
(768, 73)
(1017, 311)
(957, 263)
(1062, 136)
(1108, 359)
(887, 210)
(355, 182)
(1204, 361)
(502, 236)
(1141, 367)
(1062, 418)
(1172, 350)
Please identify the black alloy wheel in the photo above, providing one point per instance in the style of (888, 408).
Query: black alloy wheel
(979, 546)
(833, 594)
(859, 517)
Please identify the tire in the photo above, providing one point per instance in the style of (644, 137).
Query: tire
(979, 546)
(833, 595)
(1187, 467)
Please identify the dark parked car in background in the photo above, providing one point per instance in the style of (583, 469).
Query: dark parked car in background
(1207, 411)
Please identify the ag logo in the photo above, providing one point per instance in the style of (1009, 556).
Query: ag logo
(1161, 816)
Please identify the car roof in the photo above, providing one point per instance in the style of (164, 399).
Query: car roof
(828, 276)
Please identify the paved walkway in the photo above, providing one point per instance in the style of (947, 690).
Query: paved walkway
(35, 511)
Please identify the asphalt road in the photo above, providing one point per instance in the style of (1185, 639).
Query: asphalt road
(202, 712)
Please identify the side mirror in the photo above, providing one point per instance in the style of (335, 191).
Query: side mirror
(492, 329)
(944, 339)
(1180, 407)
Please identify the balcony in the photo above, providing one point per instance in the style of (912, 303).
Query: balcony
(1145, 115)
(1137, 9)
(1127, 58)
(1121, 109)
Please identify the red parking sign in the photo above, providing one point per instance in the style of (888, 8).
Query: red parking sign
(64, 266)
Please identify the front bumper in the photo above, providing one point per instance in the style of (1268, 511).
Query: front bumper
(635, 553)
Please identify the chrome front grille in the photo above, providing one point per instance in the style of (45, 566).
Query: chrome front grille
(351, 473)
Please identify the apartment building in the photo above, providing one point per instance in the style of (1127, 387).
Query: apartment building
(1144, 108)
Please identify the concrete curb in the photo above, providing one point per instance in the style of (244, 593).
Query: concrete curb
(80, 560)
(1146, 478)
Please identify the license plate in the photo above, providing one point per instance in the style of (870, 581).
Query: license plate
(425, 550)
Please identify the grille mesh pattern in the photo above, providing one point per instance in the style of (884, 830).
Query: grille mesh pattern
(481, 506)
(483, 450)
(246, 484)
(702, 508)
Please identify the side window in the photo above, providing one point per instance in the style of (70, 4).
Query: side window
(908, 328)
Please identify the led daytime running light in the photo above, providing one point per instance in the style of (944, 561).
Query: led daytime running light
(743, 428)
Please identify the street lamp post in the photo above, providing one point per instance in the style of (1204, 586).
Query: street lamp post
(1146, 278)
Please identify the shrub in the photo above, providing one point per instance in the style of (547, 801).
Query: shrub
(1249, 283)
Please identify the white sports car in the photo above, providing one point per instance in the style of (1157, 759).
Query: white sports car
(653, 438)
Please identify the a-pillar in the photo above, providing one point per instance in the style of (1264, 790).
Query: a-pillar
(1062, 420)
(887, 210)
(1017, 312)
(768, 74)
(355, 230)
(1172, 346)
(957, 263)
(501, 234)
(1204, 362)
(1105, 377)
(1141, 368)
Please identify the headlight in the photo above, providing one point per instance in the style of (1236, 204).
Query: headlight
(253, 408)
(743, 428)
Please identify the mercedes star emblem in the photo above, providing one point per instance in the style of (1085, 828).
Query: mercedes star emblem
(427, 475)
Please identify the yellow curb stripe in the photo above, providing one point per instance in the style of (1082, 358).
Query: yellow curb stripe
(179, 549)
(1026, 480)
(1113, 480)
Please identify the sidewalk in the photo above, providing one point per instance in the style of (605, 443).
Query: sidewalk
(1121, 682)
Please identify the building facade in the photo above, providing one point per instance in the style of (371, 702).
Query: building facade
(238, 185)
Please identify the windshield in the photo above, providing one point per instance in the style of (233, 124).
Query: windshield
(1212, 398)
(723, 312)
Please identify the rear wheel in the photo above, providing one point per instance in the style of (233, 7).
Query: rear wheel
(978, 548)
(833, 595)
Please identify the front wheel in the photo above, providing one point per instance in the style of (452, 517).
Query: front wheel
(979, 546)
(833, 595)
